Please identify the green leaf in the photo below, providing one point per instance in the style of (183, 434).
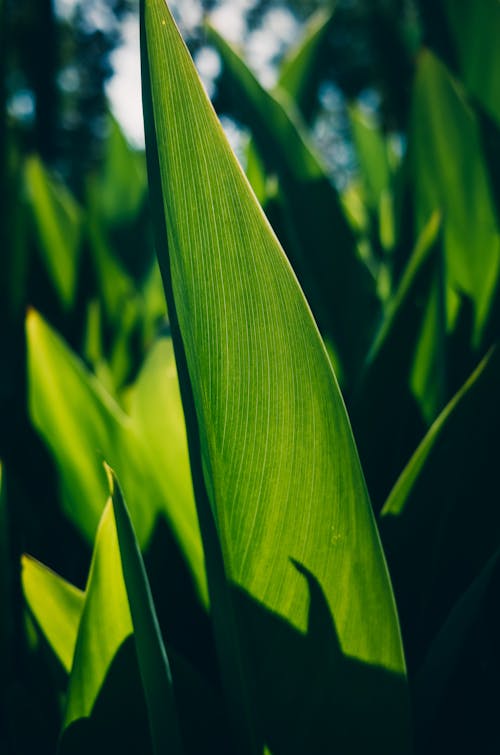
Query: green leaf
(57, 219)
(337, 283)
(56, 605)
(105, 622)
(302, 67)
(293, 557)
(475, 29)
(384, 398)
(121, 184)
(372, 153)
(118, 602)
(82, 424)
(442, 127)
(151, 655)
(439, 526)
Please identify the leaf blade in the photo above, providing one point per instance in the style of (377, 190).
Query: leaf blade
(250, 346)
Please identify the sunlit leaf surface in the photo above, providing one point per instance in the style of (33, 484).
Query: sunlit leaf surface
(281, 484)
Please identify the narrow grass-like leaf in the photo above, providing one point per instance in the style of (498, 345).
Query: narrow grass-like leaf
(277, 477)
(384, 397)
(337, 283)
(372, 154)
(83, 424)
(56, 606)
(442, 127)
(302, 68)
(439, 526)
(151, 655)
(57, 220)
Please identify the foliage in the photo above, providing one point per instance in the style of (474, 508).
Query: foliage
(294, 548)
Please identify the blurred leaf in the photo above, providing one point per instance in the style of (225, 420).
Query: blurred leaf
(82, 425)
(371, 151)
(283, 508)
(337, 283)
(475, 28)
(57, 219)
(151, 655)
(442, 127)
(384, 400)
(302, 68)
(438, 525)
(122, 183)
(56, 605)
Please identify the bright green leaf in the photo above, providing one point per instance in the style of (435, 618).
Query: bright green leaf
(82, 424)
(277, 477)
(56, 605)
(337, 283)
(105, 622)
(57, 220)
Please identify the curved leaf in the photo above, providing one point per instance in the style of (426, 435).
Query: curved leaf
(438, 524)
(82, 424)
(384, 398)
(56, 605)
(276, 471)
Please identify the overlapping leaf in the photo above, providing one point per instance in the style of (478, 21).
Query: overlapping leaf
(443, 126)
(83, 424)
(439, 524)
(320, 243)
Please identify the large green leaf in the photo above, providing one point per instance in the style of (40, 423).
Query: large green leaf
(56, 605)
(323, 251)
(57, 220)
(301, 599)
(440, 523)
(82, 424)
(442, 127)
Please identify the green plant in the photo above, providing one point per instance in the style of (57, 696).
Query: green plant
(270, 624)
